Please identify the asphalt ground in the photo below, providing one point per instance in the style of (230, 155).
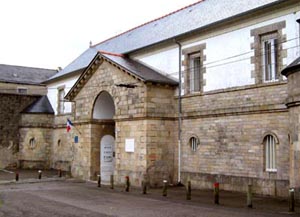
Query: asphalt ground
(69, 197)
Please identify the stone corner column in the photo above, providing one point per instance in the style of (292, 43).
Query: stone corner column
(293, 104)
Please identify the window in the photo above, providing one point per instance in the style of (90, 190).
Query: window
(194, 143)
(32, 143)
(60, 104)
(298, 21)
(270, 153)
(22, 90)
(269, 52)
(269, 57)
(195, 70)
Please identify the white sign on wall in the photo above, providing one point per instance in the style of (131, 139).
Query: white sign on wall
(129, 145)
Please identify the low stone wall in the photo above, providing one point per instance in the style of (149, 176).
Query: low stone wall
(262, 186)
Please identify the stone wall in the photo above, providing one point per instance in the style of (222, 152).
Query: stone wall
(36, 131)
(10, 108)
(231, 126)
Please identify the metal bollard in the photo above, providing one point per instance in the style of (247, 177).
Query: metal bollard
(249, 196)
(165, 188)
(216, 192)
(99, 181)
(40, 174)
(127, 183)
(144, 186)
(112, 181)
(17, 176)
(59, 173)
(291, 200)
(189, 191)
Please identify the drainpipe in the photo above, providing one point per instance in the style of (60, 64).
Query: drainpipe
(179, 115)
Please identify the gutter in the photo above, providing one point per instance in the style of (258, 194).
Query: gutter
(179, 112)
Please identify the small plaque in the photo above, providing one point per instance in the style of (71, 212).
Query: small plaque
(129, 145)
(76, 139)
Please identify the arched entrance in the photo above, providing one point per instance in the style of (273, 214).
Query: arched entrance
(103, 114)
(104, 108)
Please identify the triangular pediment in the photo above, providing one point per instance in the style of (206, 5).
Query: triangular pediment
(131, 67)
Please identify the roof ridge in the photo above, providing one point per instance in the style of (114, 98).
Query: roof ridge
(111, 54)
(151, 21)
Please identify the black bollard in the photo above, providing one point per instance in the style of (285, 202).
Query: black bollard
(144, 186)
(249, 197)
(189, 191)
(111, 181)
(291, 200)
(127, 183)
(99, 181)
(40, 174)
(216, 192)
(17, 176)
(165, 188)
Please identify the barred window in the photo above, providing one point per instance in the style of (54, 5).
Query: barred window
(195, 70)
(270, 153)
(32, 143)
(269, 57)
(194, 143)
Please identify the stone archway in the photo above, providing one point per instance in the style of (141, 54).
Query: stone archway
(103, 132)
(104, 107)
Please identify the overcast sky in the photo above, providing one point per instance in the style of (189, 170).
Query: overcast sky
(52, 33)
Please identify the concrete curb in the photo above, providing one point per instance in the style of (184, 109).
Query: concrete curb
(26, 181)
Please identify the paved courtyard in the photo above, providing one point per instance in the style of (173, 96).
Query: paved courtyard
(68, 198)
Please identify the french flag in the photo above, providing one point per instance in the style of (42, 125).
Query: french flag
(69, 125)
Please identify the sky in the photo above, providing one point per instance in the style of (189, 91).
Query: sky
(52, 33)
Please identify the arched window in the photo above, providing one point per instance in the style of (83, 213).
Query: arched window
(270, 153)
(32, 143)
(194, 142)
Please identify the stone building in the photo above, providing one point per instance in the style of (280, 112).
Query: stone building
(195, 95)
(20, 88)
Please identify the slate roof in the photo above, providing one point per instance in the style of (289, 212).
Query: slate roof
(138, 69)
(24, 75)
(186, 20)
(291, 68)
(40, 106)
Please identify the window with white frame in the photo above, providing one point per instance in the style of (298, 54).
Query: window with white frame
(270, 153)
(195, 70)
(60, 103)
(194, 142)
(269, 47)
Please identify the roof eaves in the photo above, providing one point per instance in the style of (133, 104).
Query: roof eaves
(131, 72)
(71, 94)
(67, 75)
(21, 83)
(293, 67)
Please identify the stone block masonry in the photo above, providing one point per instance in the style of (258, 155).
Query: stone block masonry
(231, 126)
(11, 107)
